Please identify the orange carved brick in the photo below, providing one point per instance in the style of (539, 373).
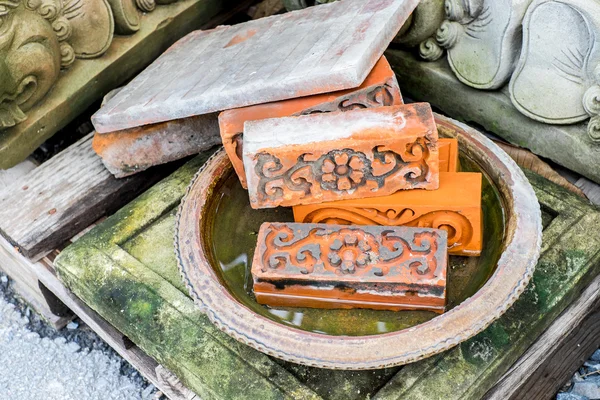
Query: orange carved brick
(379, 89)
(454, 207)
(341, 155)
(332, 266)
(448, 149)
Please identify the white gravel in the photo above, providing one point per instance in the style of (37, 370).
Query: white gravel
(32, 367)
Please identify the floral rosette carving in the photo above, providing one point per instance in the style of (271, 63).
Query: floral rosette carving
(349, 251)
(341, 171)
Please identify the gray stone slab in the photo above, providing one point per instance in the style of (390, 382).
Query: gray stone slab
(316, 50)
(434, 82)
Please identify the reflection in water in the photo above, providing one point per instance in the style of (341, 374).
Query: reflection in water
(241, 259)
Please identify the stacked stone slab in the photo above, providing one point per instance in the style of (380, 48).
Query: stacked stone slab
(166, 112)
(314, 118)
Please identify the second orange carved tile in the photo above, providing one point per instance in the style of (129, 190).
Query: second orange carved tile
(343, 155)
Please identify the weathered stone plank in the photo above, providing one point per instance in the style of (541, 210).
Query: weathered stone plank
(316, 50)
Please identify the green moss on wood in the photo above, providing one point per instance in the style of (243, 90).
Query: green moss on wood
(140, 295)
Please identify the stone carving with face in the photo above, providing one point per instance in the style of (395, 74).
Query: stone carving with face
(30, 60)
(37, 38)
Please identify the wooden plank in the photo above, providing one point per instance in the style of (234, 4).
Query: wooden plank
(27, 285)
(146, 365)
(172, 386)
(557, 354)
(7, 177)
(55, 201)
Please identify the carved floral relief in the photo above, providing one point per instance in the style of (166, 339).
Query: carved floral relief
(354, 251)
(342, 172)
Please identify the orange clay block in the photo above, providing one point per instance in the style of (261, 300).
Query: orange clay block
(341, 155)
(448, 149)
(332, 266)
(379, 89)
(454, 207)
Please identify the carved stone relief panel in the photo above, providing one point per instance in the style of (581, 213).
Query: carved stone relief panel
(483, 39)
(37, 39)
(127, 16)
(556, 79)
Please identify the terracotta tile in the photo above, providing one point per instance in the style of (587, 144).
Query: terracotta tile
(332, 266)
(454, 207)
(379, 89)
(340, 155)
(448, 149)
(133, 150)
(315, 50)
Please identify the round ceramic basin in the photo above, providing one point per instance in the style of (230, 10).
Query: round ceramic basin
(216, 236)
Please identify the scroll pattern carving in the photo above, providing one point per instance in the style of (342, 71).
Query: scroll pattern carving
(379, 96)
(349, 251)
(591, 103)
(341, 171)
(459, 228)
(38, 38)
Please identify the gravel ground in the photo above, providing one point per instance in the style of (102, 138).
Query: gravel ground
(585, 384)
(38, 362)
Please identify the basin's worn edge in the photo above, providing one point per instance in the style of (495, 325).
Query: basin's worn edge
(516, 265)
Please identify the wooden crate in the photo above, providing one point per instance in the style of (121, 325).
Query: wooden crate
(118, 244)
(540, 371)
(528, 354)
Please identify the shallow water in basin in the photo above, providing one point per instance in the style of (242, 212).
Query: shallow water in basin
(234, 233)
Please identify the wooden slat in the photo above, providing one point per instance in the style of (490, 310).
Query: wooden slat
(27, 285)
(146, 365)
(556, 354)
(63, 196)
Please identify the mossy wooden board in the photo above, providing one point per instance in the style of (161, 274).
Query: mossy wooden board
(88, 80)
(125, 270)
